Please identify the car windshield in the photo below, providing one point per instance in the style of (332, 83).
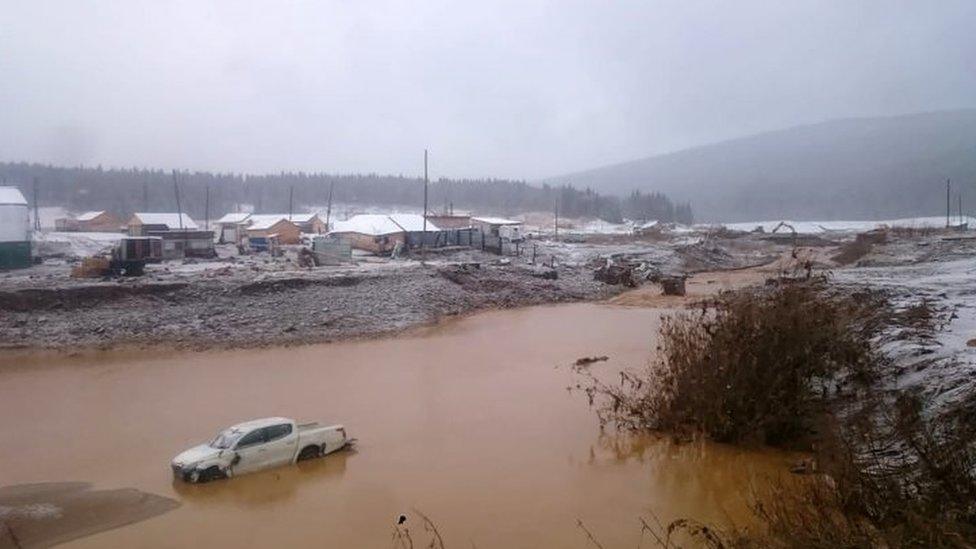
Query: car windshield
(225, 439)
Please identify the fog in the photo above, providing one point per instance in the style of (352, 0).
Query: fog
(522, 89)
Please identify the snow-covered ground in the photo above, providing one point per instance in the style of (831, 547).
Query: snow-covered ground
(943, 367)
(52, 243)
(818, 227)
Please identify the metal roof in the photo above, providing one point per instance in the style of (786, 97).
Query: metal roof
(170, 220)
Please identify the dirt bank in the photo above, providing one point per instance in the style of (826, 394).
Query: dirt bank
(291, 309)
(259, 300)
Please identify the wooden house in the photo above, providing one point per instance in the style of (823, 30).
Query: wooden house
(266, 225)
(91, 222)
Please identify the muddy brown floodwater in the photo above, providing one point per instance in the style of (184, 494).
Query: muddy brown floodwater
(469, 422)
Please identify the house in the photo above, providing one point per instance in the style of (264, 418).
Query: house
(375, 233)
(15, 236)
(91, 222)
(232, 228)
(308, 222)
(140, 224)
(265, 225)
(181, 236)
(498, 227)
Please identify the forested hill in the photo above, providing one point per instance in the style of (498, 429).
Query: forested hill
(862, 168)
(127, 190)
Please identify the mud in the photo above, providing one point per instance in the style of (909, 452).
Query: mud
(255, 301)
(297, 309)
(48, 514)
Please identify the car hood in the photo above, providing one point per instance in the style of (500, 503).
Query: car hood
(196, 454)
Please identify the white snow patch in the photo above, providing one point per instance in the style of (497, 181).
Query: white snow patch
(74, 244)
(819, 227)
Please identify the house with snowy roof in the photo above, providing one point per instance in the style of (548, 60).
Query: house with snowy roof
(100, 221)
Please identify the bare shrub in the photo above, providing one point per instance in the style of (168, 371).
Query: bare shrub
(754, 365)
(769, 364)
(860, 246)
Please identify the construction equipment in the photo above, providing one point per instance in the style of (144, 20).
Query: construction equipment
(128, 258)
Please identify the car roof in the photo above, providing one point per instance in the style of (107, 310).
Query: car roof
(258, 423)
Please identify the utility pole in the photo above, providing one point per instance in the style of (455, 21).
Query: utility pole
(37, 217)
(206, 210)
(423, 240)
(328, 209)
(176, 191)
(959, 196)
(179, 210)
(291, 197)
(948, 187)
(555, 211)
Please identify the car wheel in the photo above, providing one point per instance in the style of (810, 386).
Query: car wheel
(211, 473)
(194, 476)
(309, 452)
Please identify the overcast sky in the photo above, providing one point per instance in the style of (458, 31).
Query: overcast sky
(521, 89)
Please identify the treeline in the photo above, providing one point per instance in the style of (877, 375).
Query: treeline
(127, 190)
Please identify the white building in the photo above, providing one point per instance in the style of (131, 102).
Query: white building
(15, 234)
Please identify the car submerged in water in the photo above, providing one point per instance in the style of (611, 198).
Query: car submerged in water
(256, 445)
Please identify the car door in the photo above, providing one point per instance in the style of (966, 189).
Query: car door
(281, 443)
(251, 452)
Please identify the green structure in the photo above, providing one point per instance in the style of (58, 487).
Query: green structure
(15, 239)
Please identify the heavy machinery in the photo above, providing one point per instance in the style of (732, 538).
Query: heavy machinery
(130, 255)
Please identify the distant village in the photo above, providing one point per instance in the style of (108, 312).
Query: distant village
(156, 236)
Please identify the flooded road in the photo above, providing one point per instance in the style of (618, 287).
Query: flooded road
(469, 422)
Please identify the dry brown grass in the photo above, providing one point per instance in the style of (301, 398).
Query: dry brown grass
(751, 365)
(860, 247)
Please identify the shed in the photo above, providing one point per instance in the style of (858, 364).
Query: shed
(91, 222)
(178, 244)
(232, 227)
(15, 237)
(262, 226)
(141, 223)
(498, 227)
(375, 233)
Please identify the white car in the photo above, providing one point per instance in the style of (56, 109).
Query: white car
(256, 445)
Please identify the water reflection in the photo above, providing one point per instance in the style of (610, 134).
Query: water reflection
(268, 487)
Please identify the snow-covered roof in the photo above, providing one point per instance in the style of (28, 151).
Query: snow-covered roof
(266, 221)
(234, 217)
(496, 221)
(371, 224)
(412, 222)
(170, 220)
(11, 195)
(88, 216)
(301, 218)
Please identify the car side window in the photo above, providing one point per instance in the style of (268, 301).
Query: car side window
(275, 432)
(255, 437)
